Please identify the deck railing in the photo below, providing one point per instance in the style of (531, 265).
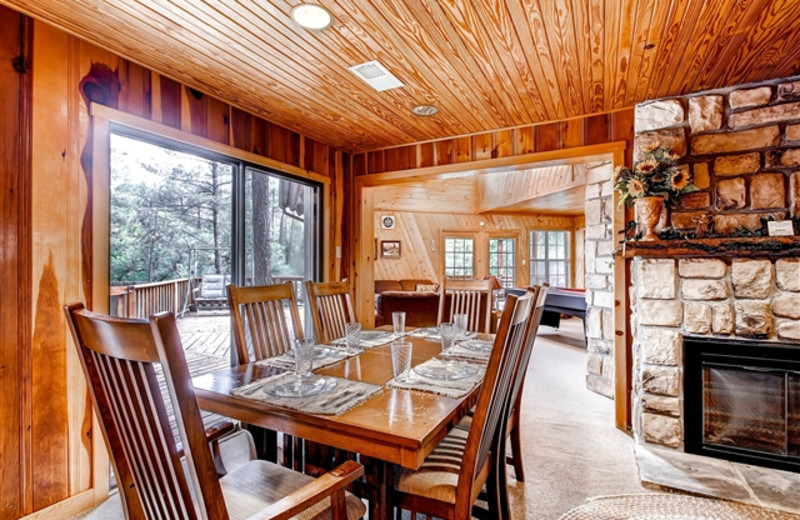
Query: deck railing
(297, 282)
(144, 300)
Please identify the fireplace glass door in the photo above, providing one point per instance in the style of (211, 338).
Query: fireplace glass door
(742, 401)
(745, 407)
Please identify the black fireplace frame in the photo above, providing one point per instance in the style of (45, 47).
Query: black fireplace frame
(733, 353)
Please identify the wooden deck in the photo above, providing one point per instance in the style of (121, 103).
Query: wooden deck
(206, 334)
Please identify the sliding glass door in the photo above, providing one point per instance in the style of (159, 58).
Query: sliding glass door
(186, 222)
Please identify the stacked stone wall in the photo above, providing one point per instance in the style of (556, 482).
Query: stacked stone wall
(734, 298)
(599, 254)
(741, 144)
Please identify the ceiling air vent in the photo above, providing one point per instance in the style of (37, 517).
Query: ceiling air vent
(376, 76)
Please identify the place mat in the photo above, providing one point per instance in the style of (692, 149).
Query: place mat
(462, 350)
(286, 360)
(371, 339)
(447, 387)
(346, 395)
(652, 506)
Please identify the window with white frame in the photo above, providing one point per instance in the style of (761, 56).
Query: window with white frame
(459, 257)
(503, 260)
(549, 258)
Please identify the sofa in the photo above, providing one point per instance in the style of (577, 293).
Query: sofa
(421, 307)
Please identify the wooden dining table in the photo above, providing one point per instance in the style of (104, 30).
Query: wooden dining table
(395, 426)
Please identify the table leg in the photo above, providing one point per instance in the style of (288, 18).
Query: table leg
(380, 482)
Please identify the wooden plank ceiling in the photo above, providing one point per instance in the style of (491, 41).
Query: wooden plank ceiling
(486, 64)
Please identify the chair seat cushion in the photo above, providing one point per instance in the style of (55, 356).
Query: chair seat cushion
(258, 484)
(437, 478)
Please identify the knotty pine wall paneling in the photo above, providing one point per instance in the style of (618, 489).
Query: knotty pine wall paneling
(421, 236)
(57, 466)
(15, 306)
(522, 140)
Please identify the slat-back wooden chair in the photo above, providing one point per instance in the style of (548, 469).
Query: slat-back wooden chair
(260, 331)
(119, 357)
(514, 406)
(331, 309)
(259, 320)
(514, 435)
(451, 477)
(470, 297)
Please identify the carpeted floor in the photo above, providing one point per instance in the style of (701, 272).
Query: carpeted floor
(571, 448)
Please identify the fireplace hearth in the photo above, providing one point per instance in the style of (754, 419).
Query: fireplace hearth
(742, 401)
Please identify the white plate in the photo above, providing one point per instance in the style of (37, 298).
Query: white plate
(446, 372)
(322, 352)
(314, 385)
(477, 345)
(369, 335)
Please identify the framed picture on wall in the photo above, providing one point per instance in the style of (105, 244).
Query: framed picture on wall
(390, 248)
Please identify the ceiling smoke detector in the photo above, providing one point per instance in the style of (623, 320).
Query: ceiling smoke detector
(312, 16)
(376, 76)
(425, 110)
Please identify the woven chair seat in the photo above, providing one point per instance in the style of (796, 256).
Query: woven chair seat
(257, 484)
(437, 478)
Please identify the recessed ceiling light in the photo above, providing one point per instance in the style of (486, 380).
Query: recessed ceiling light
(312, 16)
(425, 110)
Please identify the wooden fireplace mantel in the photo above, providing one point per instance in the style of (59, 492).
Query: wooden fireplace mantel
(769, 247)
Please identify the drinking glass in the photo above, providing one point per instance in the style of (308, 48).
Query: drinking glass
(447, 331)
(352, 336)
(303, 358)
(460, 321)
(401, 359)
(399, 322)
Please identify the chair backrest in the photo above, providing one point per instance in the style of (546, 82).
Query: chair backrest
(470, 297)
(489, 411)
(515, 397)
(260, 321)
(119, 358)
(331, 309)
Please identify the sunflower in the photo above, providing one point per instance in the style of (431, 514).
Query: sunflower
(647, 167)
(617, 172)
(636, 188)
(679, 181)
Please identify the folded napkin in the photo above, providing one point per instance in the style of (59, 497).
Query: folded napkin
(371, 339)
(476, 349)
(343, 394)
(448, 387)
(286, 360)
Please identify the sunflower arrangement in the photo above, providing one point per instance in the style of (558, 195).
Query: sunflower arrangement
(656, 174)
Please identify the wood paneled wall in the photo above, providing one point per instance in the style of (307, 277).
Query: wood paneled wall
(523, 140)
(15, 306)
(421, 236)
(50, 463)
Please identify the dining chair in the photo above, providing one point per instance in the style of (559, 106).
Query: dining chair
(119, 359)
(259, 316)
(265, 321)
(331, 309)
(514, 408)
(513, 425)
(470, 297)
(451, 478)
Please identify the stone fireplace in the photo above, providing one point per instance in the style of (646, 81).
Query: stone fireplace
(742, 145)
